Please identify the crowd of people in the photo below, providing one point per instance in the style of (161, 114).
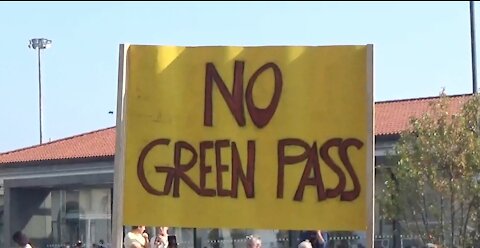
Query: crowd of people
(138, 238)
(24, 242)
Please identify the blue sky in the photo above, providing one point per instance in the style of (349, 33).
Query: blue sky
(419, 48)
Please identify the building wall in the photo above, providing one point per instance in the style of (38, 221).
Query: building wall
(44, 189)
(27, 212)
(35, 197)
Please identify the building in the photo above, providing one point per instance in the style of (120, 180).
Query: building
(61, 191)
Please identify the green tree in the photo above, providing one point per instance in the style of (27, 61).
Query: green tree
(433, 189)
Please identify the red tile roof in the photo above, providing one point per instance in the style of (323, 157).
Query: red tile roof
(100, 143)
(391, 117)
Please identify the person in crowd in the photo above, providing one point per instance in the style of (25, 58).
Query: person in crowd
(305, 244)
(316, 238)
(161, 239)
(254, 242)
(21, 240)
(101, 244)
(79, 244)
(136, 238)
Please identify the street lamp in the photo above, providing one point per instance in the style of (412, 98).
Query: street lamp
(473, 47)
(39, 44)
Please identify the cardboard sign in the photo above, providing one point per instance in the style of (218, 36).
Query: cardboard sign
(248, 137)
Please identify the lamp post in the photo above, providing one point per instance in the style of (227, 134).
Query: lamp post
(39, 44)
(473, 45)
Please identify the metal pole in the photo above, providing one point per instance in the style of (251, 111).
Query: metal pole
(195, 245)
(290, 239)
(474, 53)
(40, 95)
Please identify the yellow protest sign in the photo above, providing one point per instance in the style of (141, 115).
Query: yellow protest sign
(248, 137)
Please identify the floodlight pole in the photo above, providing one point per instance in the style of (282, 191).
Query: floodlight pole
(39, 44)
(40, 95)
(473, 47)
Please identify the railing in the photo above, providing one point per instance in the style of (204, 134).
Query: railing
(334, 241)
(386, 241)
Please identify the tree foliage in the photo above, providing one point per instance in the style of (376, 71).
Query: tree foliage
(433, 188)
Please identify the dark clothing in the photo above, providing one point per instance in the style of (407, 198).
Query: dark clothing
(312, 237)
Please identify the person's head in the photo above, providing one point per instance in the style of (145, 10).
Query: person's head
(162, 230)
(311, 235)
(20, 238)
(254, 242)
(305, 244)
(138, 229)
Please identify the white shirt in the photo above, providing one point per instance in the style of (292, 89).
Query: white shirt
(163, 244)
(132, 238)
